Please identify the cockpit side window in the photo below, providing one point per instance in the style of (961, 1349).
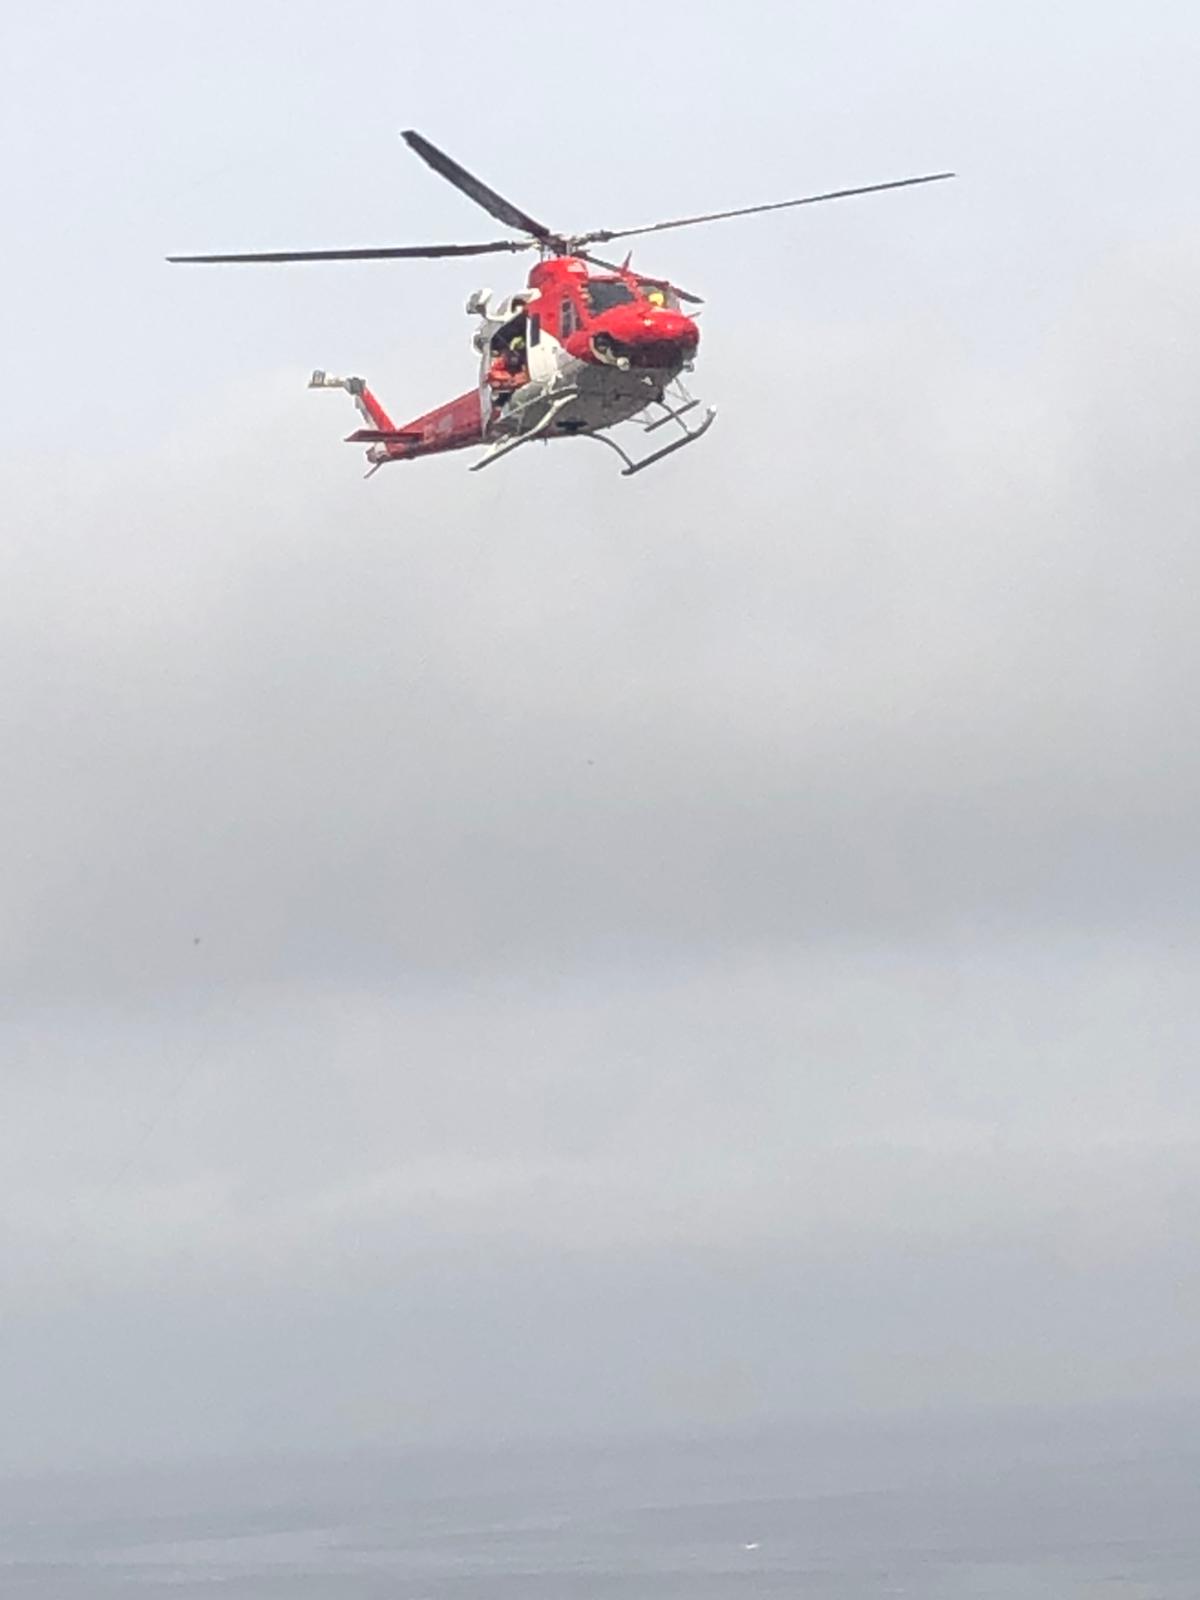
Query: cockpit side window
(568, 319)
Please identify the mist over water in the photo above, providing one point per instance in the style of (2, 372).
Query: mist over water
(1061, 1507)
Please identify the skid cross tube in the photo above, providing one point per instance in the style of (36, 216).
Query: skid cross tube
(672, 415)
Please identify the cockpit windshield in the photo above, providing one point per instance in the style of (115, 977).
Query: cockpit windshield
(660, 294)
(605, 293)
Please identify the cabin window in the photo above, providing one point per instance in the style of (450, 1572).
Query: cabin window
(568, 319)
(605, 293)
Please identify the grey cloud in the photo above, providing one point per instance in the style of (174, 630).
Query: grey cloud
(534, 951)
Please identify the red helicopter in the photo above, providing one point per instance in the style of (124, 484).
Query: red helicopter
(570, 356)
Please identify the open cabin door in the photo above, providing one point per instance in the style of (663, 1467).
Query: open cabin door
(516, 348)
(543, 349)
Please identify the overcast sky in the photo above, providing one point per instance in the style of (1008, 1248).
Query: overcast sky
(533, 952)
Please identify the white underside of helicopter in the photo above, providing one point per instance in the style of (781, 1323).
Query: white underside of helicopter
(569, 398)
(600, 397)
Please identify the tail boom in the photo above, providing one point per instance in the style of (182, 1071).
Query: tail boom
(454, 426)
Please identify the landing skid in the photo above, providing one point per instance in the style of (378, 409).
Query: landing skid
(503, 446)
(671, 413)
(672, 410)
(690, 436)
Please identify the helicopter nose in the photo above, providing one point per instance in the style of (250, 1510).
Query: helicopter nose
(666, 327)
(674, 325)
(643, 325)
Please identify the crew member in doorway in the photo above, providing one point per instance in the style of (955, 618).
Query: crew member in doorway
(508, 370)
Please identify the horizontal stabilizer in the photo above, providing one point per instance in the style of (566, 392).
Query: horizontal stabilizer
(383, 436)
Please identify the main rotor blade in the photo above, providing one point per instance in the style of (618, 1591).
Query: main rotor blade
(398, 252)
(602, 235)
(500, 208)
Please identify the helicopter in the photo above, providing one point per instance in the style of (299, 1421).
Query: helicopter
(587, 345)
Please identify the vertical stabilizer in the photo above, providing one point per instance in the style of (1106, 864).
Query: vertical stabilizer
(369, 408)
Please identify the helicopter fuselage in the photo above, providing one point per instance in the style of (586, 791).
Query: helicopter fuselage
(572, 353)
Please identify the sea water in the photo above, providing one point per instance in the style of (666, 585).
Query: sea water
(1025, 1510)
